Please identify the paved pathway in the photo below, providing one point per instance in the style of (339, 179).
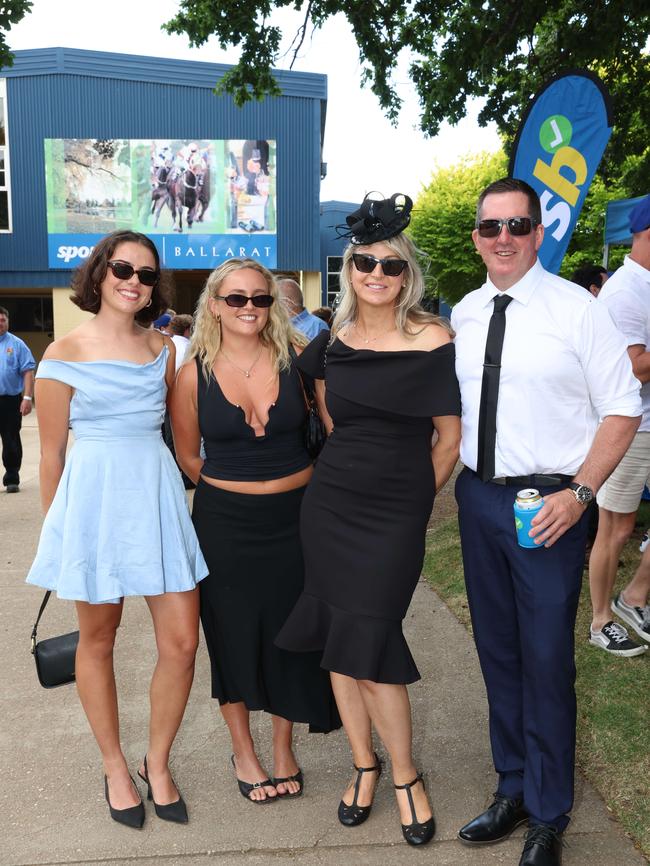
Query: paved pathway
(52, 808)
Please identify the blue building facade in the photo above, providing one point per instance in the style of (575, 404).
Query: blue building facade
(332, 214)
(57, 95)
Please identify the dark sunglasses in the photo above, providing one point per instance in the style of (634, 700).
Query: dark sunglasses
(262, 301)
(517, 226)
(124, 271)
(366, 264)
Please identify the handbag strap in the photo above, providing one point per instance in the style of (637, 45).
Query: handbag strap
(46, 598)
(307, 391)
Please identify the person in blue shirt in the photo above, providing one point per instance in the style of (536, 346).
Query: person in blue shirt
(16, 389)
(301, 319)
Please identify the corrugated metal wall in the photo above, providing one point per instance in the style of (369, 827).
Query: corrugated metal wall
(90, 106)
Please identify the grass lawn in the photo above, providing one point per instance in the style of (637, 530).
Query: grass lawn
(613, 693)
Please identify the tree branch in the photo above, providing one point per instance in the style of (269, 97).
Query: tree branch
(300, 35)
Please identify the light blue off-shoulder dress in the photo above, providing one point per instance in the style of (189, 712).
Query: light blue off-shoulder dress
(119, 523)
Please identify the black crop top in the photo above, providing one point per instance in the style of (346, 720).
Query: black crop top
(232, 450)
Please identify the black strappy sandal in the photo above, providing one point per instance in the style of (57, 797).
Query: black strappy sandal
(245, 788)
(297, 777)
(416, 833)
(353, 815)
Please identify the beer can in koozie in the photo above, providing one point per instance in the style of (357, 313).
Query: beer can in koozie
(526, 506)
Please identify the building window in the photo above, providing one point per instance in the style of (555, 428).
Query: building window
(334, 265)
(5, 197)
(29, 313)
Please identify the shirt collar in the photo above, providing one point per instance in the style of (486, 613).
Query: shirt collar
(638, 269)
(521, 291)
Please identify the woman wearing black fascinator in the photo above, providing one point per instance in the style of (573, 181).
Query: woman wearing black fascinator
(387, 390)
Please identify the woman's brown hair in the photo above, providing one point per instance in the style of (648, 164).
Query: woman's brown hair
(87, 278)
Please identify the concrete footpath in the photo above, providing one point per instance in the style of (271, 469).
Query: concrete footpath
(52, 808)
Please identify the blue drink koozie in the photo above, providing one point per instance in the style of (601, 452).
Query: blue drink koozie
(526, 506)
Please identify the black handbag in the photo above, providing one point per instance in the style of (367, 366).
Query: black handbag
(315, 434)
(54, 656)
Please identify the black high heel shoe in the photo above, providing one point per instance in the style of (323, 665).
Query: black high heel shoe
(353, 815)
(176, 811)
(131, 817)
(416, 833)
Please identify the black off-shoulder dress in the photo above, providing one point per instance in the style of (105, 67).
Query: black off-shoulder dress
(365, 511)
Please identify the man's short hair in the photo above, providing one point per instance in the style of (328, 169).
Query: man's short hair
(512, 184)
(292, 291)
(589, 275)
(180, 323)
(4, 312)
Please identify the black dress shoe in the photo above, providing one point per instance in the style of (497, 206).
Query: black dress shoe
(496, 823)
(417, 832)
(175, 812)
(131, 817)
(543, 847)
(353, 815)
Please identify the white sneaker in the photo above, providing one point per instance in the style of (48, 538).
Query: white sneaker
(613, 638)
(637, 617)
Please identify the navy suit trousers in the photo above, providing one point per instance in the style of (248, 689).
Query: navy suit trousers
(523, 605)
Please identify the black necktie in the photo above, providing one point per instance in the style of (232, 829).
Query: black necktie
(487, 419)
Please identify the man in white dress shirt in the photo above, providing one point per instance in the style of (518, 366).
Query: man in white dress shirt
(627, 297)
(539, 365)
(180, 328)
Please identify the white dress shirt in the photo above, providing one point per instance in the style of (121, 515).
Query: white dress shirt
(626, 295)
(564, 367)
(181, 344)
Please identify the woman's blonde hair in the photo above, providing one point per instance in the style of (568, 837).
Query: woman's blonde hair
(409, 315)
(277, 333)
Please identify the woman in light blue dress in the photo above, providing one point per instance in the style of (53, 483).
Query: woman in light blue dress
(117, 521)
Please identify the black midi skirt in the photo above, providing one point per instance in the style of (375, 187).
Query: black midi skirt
(251, 544)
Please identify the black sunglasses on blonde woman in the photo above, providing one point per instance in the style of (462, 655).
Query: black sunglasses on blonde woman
(124, 271)
(366, 264)
(241, 300)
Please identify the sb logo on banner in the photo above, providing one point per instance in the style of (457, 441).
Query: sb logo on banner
(557, 150)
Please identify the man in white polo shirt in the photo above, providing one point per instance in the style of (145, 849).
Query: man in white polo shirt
(627, 297)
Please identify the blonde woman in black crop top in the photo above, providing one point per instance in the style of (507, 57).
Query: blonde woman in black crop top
(238, 392)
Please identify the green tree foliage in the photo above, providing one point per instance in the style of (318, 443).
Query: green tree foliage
(11, 12)
(499, 50)
(443, 219)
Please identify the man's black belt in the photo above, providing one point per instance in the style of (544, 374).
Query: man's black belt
(534, 480)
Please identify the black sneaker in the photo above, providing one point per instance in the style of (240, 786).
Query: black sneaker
(637, 617)
(613, 638)
(13, 488)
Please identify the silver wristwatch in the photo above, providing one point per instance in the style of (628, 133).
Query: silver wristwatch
(583, 494)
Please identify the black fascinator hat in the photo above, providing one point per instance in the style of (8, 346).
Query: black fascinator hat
(377, 219)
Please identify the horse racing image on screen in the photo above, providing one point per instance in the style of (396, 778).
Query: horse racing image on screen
(201, 201)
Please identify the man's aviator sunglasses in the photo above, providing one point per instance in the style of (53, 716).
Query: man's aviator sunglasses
(124, 271)
(235, 300)
(517, 226)
(366, 264)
